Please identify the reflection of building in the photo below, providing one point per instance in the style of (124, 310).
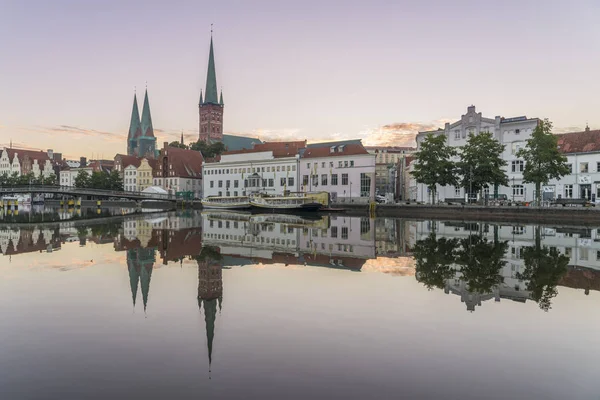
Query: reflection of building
(17, 240)
(210, 292)
(336, 241)
(388, 161)
(140, 262)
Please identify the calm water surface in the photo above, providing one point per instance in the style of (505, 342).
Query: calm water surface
(229, 305)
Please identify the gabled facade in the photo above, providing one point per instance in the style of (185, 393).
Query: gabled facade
(23, 162)
(179, 170)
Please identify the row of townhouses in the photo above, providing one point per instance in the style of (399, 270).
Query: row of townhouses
(582, 150)
(23, 162)
(345, 169)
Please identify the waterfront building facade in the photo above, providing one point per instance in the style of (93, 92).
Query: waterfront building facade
(179, 170)
(23, 162)
(388, 168)
(511, 132)
(145, 173)
(270, 167)
(345, 169)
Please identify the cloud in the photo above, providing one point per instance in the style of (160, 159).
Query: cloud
(270, 134)
(567, 129)
(397, 133)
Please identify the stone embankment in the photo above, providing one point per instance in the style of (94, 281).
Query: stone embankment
(579, 215)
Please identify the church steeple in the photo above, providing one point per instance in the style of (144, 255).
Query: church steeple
(211, 78)
(135, 129)
(201, 101)
(221, 99)
(146, 123)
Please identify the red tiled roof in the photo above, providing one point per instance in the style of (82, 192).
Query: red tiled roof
(185, 163)
(130, 160)
(41, 156)
(279, 149)
(579, 142)
(325, 151)
(390, 149)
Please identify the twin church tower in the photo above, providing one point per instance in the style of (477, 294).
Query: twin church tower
(141, 141)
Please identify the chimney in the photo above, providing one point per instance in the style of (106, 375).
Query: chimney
(82, 162)
(165, 145)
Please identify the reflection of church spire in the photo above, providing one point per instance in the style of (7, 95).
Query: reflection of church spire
(210, 294)
(134, 274)
(145, 279)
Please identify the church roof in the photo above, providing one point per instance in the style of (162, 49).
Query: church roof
(233, 143)
(146, 124)
(211, 79)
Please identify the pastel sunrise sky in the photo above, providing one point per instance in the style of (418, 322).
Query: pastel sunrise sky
(376, 70)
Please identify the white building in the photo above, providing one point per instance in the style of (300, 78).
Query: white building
(23, 162)
(130, 178)
(345, 169)
(67, 176)
(270, 167)
(511, 132)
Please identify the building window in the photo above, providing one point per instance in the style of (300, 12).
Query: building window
(344, 232)
(334, 231)
(334, 179)
(518, 166)
(315, 180)
(212, 184)
(583, 167)
(352, 163)
(305, 180)
(346, 164)
(344, 179)
(290, 181)
(457, 192)
(293, 167)
(228, 184)
(324, 179)
(568, 191)
(365, 185)
(308, 165)
(264, 183)
(282, 181)
(245, 183)
(570, 168)
(518, 190)
(220, 193)
(220, 184)
(456, 134)
(235, 183)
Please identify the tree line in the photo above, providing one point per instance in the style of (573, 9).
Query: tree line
(99, 180)
(26, 179)
(480, 164)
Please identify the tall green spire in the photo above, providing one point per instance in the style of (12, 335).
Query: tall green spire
(135, 129)
(221, 99)
(134, 274)
(211, 78)
(145, 276)
(201, 101)
(146, 123)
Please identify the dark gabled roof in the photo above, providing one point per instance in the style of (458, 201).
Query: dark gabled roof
(340, 149)
(41, 156)
(135, 128)
(336, 143)
(579, 142)
(129, 160)
(185, 163)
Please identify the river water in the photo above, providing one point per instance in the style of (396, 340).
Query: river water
(235, 306)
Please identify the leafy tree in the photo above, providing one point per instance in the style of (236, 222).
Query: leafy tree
(115, 182)
(480, 262)
(208, 150)
(99, 180)
(13, 179)
(434, 165)
(544, 268)
(26, 179)
(50, 180)
(4, 179)
(481, 163)
(38, 180)
(178, 145)
(83, 179)
(434, 259)
(543, 160)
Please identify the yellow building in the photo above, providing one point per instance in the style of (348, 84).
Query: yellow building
(144, 173)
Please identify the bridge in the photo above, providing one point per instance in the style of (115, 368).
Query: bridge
(79, 192)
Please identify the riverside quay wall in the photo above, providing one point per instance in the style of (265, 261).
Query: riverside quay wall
(581, 215)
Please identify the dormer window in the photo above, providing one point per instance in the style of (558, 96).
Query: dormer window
(342, 147)
(332, 149)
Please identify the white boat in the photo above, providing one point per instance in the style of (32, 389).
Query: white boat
(295, 202)
(226, 203)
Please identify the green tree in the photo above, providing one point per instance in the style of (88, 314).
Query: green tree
(480, 262)
(481, 163)
(434, 259)
(50, 180)
(99, 180)
(4, 179)
(208, 150)
(115, 182)
(434, 165)
(13, 179)
(83, 179)
(543, 160)
(26, 179)
(544, 268)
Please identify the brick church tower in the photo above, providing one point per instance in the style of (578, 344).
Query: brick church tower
(211, 107)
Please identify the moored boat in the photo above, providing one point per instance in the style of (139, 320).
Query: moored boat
(226, 203)
(289, 201)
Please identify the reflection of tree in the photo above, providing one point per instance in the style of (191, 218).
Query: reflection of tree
(480, 263)
(434, 259)
(544, 267)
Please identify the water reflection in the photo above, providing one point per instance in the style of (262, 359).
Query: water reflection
(475, 261)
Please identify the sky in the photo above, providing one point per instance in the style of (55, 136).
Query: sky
(321, 70)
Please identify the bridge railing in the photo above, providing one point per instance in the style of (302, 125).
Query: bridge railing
(83, 191)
